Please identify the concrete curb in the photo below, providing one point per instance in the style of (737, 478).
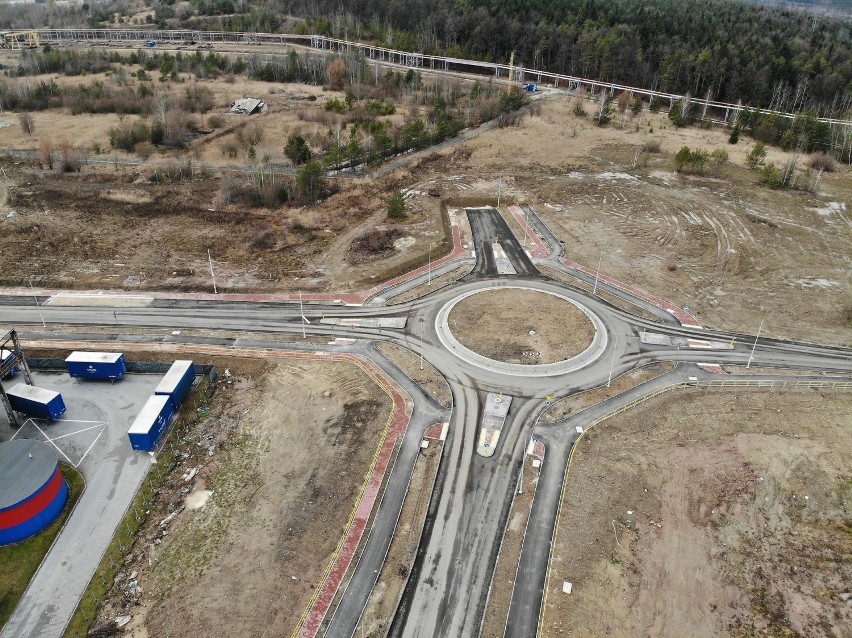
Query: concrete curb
(590, 354)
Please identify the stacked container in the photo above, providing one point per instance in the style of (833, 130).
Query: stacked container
(177, 382)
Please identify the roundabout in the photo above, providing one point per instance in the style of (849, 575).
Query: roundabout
(550, 339)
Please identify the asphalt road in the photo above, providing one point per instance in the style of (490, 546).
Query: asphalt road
(448, 586)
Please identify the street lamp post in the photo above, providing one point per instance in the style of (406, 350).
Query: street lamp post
(212, 274)
(302, 315)
(421, 342)
(598, 274)
(40, 314)
(429, 267)
(751, 356)
(612, 364)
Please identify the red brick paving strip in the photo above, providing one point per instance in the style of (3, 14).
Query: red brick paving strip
(434, 431)
(685, 318)
(539, 249)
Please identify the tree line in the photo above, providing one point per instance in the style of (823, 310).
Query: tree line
(765, 56)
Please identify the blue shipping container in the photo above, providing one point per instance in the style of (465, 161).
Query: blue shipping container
(6, 355)
(150, 423)
(38, 402)
(96, 365)
(177, 382)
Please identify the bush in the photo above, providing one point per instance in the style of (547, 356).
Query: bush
(691, 161)
(771, 175)
(297, 150)
(822, 162)
(127, 136)
(578, 109)
(27, 123)
(336, 106)
(377, 107)
(652, 146)
(215, 121)
(230, 149)
(735, 135)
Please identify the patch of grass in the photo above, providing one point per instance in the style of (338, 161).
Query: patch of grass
(21, 560)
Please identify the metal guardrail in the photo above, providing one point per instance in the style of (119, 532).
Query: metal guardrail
(392, 56)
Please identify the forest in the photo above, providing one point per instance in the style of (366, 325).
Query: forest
(764, 55)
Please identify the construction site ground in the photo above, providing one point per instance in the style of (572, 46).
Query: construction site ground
(280, 461)
(708, 513)
(733, 250)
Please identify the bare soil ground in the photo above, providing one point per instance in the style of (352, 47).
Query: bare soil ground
(573, 403)
(428, 378)
(708, 514)
(521, 326)
(296, 439)
(733, 250)
(730, 248)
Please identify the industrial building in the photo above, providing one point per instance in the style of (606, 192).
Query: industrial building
(32, 489)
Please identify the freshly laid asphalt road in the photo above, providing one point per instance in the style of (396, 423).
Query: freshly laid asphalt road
(448, 587)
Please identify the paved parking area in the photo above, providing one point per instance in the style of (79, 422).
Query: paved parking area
(92, 436)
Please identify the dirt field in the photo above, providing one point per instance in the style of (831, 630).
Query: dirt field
(521, 326)
(266, 511)
(708, 514)
(735, 251)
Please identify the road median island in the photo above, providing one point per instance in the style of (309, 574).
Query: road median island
(390, 585)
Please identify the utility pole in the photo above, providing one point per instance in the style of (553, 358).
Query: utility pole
(421, 342)
(302, 315)
(612, 364)
(499, 188)
(751, 356)
(40, 314)
(212, 274)
(429, 267)
(598, 274)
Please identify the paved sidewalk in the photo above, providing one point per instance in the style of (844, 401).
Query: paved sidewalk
(539, 248)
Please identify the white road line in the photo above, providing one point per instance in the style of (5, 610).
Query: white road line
(54, 444)
(62, 436)
(19, 429)
(91, 446)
